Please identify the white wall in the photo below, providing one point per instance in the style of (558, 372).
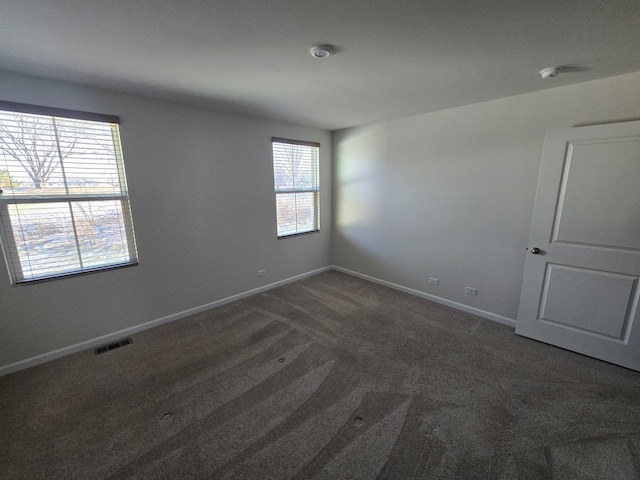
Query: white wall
(201, 187)
(450, 194)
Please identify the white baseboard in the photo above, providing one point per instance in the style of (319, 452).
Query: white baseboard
(443, 301)
(94, 342)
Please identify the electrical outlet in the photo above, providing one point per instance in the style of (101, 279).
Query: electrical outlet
(471, 290)
(262, 273)
(434, 281)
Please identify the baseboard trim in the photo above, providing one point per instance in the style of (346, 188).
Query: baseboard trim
(94, 342)
(443, 301)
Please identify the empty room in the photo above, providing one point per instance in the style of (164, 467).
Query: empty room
(277, 239)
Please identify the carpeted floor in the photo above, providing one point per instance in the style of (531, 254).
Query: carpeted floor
(331, 377)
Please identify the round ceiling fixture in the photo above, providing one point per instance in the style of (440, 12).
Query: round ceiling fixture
(321, 51)
(550, 72)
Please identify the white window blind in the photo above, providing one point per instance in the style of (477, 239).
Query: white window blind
(64, 204)
(297, 186)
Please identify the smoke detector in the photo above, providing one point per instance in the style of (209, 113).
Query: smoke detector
(550, 72)
(321, 51)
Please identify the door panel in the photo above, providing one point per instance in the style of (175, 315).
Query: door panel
(599, 199)
(571, 297)
(581, 290)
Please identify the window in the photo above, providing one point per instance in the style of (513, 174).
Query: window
(64, 204)
(297, 186)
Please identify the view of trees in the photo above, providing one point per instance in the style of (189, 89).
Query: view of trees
(37, 144)
(292, 167)
(7, 181)
(34, 147)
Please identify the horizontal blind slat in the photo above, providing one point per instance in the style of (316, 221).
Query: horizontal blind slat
(57, 112)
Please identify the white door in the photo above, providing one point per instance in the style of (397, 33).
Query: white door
(580, 289)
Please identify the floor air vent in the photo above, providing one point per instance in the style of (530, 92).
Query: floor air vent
(112, 346)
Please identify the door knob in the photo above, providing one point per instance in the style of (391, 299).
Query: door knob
(535, 250)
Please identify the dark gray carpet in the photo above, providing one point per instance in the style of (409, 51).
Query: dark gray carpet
(331, 377)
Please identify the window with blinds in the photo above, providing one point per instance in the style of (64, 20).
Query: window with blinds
(64, 204)
(297, 186)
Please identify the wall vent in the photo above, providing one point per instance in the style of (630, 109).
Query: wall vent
(112, 346)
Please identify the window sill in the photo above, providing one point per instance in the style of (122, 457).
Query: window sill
(298, 234)
(74, 274)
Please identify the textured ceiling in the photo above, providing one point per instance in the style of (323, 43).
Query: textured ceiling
(394, 58)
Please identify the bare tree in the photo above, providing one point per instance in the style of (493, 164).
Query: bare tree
(289, 171)
(37, 144)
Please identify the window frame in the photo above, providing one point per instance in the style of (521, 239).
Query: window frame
(315, 190)
(7, 232)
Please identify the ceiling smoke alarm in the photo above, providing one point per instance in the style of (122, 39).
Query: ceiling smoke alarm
(550, 72)
(321, 51)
